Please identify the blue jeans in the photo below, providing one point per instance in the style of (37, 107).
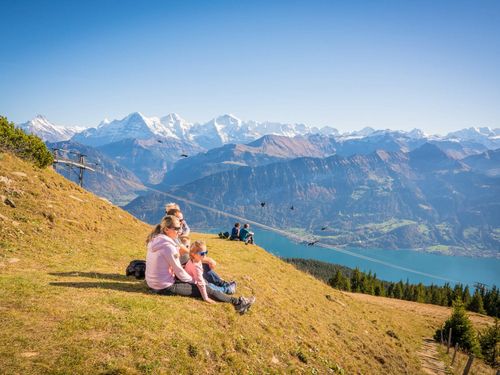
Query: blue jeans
(223, 289)
(213, 279)
(211, 276)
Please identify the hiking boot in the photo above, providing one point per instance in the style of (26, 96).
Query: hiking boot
(244, 305)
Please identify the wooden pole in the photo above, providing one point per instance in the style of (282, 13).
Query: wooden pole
(468, 365)
(449, 341)
(454, 354)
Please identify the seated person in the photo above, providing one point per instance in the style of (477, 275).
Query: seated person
(228, 287)
(235, 233)
(209, 274)
(178, 214)
(245, 234)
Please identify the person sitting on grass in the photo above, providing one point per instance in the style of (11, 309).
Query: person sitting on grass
(235, 232)
(178, 213)
(195, 268)
(245, 234)
(165, 275)
(209, 274)
(183, 250)
(209, 264)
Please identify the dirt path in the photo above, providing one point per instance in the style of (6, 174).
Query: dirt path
(431, 364)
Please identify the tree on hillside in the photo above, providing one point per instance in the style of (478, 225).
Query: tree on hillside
(489, 340)
(398, 290)
(356, 280)
(339, 281)
(466, 296)
(26, 146)
(491, 302)
(462, 330)
(476, 303)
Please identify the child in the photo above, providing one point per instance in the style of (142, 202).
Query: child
(207, 266)
(194, 267)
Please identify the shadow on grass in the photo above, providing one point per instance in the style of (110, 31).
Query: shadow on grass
(95, 275)
(122, 287)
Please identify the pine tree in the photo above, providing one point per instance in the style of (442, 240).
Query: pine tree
(398, 290)
(462, 330)
(356, 280)
(489, 340)
(491, 302)
(338, 281)
(466, 296)
(476, 303)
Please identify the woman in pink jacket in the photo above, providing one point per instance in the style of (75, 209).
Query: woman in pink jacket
(164, 273)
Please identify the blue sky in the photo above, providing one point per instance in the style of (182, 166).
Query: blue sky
(348, 64)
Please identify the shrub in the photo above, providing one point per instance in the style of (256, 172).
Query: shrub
(462, 330)
(26, 146)
(489, 340)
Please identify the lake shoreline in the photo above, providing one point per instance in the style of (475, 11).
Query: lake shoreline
(391, 265)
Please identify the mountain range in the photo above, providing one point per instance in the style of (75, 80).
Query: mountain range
(373, 188)
(228, 129)
(423, 199)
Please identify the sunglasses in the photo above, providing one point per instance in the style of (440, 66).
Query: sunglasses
(175, 228)
(203, 253)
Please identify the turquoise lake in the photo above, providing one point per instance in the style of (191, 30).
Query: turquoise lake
(390, 265)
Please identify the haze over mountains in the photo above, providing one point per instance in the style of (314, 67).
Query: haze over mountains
(373, 188)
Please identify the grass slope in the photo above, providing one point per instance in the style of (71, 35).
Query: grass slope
(66, 307)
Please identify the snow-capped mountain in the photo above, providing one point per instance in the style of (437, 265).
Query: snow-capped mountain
(230, 129)
(483, 135)
(214, 133)
(177, 125)
(48, 131)
(474, 133)
(135, 125)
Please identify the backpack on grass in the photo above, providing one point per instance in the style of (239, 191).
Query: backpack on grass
(137, 268)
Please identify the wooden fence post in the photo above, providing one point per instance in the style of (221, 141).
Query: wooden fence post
(454, 354)
(449, 341)
(468, 365)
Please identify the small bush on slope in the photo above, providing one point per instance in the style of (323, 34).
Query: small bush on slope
(26, 146)
(462, 330)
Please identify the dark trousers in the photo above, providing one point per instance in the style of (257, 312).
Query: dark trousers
(180, 288)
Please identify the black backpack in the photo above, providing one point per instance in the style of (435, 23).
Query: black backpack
(137, 268)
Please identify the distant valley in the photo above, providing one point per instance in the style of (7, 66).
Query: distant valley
(368, 188)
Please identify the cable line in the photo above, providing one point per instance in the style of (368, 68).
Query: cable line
(300, 239)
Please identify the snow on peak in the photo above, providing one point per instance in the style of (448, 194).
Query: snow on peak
(46, 130)
(103, 123)
(417, 134)
(473, 133)
(366, 131)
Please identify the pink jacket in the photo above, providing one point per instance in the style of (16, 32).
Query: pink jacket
(162, 263)
(195, 270)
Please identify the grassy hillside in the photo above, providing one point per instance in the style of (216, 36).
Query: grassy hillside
(66, 307)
